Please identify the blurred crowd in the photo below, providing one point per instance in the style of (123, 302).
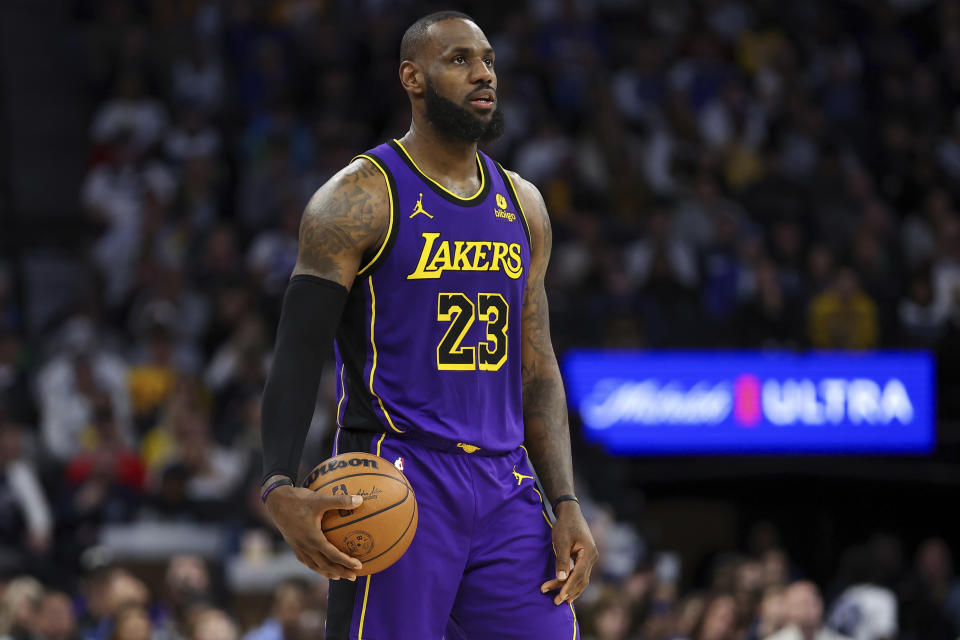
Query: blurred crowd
(720, 173)
(758, 593)
(755, 594)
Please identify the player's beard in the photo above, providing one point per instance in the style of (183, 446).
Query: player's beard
(457, 122)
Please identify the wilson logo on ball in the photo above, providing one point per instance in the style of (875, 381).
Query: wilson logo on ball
(343, 464)
(378, 530)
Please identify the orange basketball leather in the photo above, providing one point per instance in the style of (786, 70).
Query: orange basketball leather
(379, 531)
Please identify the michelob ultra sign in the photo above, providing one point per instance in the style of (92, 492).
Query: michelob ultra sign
(754, 402)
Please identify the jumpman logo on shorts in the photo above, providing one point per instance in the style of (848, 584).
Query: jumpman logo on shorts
(419, 208)
(519, 476)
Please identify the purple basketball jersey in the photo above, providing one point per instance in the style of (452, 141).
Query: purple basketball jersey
(429, 345)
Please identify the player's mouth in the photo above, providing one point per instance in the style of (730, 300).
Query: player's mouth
(483, 99)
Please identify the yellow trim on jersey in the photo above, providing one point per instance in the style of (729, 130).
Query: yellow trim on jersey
(363, 610)
(543, 508)
(386, 239)
(483, 174)
(519, 204)
(366, 589)
(373, 367)
(543, 511)
(342, 396)
(380, 442)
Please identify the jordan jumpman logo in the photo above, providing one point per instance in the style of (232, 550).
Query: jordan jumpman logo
(419, 208)
(519, 476)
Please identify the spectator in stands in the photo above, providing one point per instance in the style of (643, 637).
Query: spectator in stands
(20, 609)
(865, 610)
(610, 618)
(186, 591)
(214, 624)
(197, 76)
(769, 318)
(130, 111)
(919, 229)
(803, 613)
(26, 523)
(664, 271)
(771, 614)
(57, 618)
(748, 589)
(132, 622)
(104, 481)
(844, 317)
(68, 384)
(114, 196)
(213, 472)
(931, 595)
(126, 612)
(719, 620)
(776, 567)
(168, 318)
(105, 462)
(193, 137)
(288, 608)
(921, 323)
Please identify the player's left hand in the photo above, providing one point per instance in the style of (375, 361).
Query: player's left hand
(572, 540)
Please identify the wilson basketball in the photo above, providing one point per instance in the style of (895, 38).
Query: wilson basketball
(379, 531)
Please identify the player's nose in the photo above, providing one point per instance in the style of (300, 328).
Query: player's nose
(481, 73)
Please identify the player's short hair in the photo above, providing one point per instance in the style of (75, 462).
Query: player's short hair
(416, 34)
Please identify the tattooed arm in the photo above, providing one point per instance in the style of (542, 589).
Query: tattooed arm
(345, 219)
(546, 430)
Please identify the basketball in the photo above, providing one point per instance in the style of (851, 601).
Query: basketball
(379, 531)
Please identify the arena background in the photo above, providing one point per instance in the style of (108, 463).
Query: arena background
(721, 174)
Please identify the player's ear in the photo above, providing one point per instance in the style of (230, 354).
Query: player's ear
(411, 77)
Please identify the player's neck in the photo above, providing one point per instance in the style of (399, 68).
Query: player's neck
(439, 157)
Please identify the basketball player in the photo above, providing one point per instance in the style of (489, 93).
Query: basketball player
(425, 260)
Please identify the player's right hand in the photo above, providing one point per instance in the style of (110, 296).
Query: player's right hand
(297, 513)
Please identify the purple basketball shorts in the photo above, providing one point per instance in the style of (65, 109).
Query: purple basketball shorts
(474, 569)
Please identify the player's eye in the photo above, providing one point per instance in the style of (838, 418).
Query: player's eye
(488, 62)
(459, 59)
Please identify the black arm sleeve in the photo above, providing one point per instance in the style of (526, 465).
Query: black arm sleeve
(309, 317)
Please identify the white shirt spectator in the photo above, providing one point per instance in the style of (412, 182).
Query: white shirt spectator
(144, 117)
(719, 127)
(24, 488)
(865, 612)
(65, 412)
(182, 144)
(115, 194)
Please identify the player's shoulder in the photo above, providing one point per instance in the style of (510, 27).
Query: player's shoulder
(534, 207)
(361, 176)
(351, 209)
(529, 195)
(359, 188)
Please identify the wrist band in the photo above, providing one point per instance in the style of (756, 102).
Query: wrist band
(273, 485)
(567, 497)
